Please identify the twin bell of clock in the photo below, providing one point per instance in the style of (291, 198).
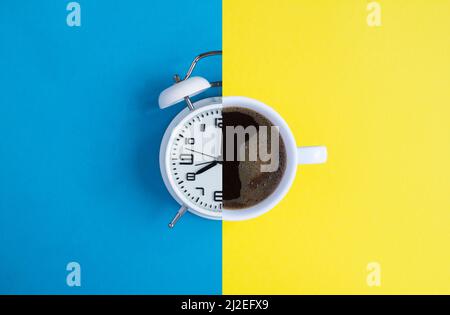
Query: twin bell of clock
(227, 157)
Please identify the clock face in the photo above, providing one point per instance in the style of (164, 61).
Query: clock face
(195, 165)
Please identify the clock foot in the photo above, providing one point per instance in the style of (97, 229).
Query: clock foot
(177, 216)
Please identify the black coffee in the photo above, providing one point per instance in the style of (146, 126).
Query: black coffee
(244, 184)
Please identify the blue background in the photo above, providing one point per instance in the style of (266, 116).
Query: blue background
(80, 131)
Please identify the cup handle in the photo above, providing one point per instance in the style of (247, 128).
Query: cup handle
(311, 155)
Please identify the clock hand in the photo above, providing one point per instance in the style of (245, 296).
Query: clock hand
(207, 167)
(213, 157)
(203, 163)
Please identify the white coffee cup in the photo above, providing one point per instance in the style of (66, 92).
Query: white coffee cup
(294, 156)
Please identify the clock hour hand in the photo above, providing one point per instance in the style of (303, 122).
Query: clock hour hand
(207, 167)
(203, 163)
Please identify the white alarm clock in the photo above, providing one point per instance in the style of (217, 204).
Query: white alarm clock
(191, 159)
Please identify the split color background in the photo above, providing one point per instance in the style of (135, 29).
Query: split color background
(379, 98)
(80, 130)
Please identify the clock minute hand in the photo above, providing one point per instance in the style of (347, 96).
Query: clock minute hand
(207, 167)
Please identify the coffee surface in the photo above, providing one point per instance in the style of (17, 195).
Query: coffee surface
(244, 184)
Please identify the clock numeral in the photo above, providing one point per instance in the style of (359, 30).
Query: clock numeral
(189, 141)
(186, 159)
(218, 122)
(201, 189)
(202, 127)
(218, 196)
(190, 176)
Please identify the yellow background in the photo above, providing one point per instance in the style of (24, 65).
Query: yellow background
(379, 99)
